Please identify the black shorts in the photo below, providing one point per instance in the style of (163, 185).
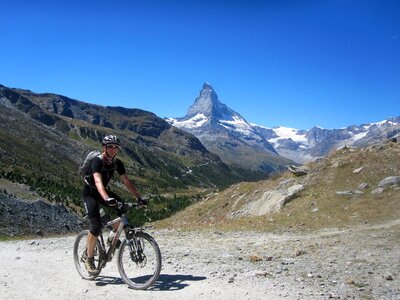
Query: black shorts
(92, 208)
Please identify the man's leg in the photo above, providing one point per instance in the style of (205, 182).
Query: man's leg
(92, 209)
(91, 244)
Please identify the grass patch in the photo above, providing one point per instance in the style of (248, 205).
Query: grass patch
(318, 205)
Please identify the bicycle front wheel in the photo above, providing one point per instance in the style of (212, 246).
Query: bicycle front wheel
(80, 255)
(139, 261)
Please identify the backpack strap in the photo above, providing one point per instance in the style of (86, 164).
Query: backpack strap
(86, 177)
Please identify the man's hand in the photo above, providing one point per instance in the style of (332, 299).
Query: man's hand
(111, 201)
(142, 202)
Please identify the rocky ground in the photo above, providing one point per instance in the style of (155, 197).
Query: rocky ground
(20, 217)
(355, 263)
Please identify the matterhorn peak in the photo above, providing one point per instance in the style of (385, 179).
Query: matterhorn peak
(227, 134)
(207, 86)
(206, 103)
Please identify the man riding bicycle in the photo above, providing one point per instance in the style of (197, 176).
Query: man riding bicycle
(102, 169)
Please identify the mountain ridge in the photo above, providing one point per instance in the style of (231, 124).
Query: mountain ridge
(45, 136)
(307, 145)
(208, 119)
(227, 134)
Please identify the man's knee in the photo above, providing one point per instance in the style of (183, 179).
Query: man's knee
(95, 228)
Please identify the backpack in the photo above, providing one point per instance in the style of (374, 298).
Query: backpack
(84, 168)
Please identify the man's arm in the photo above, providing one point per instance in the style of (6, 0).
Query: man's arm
(129, 184)
(100, 186)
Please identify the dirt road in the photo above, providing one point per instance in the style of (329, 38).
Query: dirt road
(358, 263)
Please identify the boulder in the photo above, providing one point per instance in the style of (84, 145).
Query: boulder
(389, 181)
(344, 193)
(298, 171)
(363, 186)
(358, 170)
(271, 201)
(377, 191)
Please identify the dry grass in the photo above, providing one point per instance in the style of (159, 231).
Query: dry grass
(19, 190)
(317, 206)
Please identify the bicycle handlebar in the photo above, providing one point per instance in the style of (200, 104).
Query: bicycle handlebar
(129, 205)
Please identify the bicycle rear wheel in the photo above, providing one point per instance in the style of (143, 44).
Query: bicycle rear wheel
(80, 255)
(139, 261)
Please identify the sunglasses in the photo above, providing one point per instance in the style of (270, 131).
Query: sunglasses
(112, 146)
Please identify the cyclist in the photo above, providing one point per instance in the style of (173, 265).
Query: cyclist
(95, 192)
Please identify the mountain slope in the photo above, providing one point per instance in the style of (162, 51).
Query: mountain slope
(350, 186)
(45, 136)
(227, 134)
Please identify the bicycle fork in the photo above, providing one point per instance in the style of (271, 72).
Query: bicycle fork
(136, 251)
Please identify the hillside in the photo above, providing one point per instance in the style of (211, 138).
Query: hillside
(350, 186)
(44, 137)
(50, 134)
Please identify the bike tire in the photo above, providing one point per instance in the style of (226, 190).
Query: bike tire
(139, 275)
(80, 254)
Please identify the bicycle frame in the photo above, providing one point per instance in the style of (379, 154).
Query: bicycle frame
(123, 223)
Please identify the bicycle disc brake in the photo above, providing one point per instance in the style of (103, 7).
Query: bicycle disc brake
(142, 261)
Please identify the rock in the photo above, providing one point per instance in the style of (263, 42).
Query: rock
(255, 258)
(377, 191)
(363, 186)
(344, 193)
(356, 171)
(300, 252)
(298, 171)
(294, 190)
(389, 181)
(263, 274)
(271, 201)
(388, 277)
(37, 217)
(285, 182)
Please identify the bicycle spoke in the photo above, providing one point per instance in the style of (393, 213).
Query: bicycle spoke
(80, 254)
(139, 261)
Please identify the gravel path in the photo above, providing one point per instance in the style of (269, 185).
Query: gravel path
(358, 263)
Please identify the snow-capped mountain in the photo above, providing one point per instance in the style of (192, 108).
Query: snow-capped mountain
(207, 110)
(302, 145)
(226, 133)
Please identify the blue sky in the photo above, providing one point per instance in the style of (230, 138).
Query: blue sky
(277, 63)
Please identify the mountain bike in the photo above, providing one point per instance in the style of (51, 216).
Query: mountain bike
(138, 259)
